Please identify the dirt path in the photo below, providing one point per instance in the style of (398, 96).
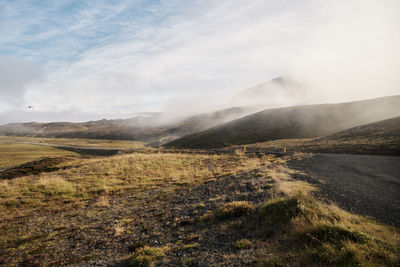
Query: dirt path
(368, 185)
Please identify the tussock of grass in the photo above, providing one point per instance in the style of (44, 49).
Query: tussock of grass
(145, 255)
(192, 236)
(333, 234)
(338, 238)
(243, 243)
(186, 247)
(53, 185)
(236, 209)
(278, 212)
(207, 216)
(323, 234)
(337, 246)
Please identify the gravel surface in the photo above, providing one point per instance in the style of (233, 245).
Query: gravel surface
(367, 185)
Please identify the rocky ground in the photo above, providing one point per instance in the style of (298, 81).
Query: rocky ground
(109, 229)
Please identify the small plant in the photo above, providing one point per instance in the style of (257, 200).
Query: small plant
(56, 186)
(192, 237)
(145, 255)
(334, 234)
(243, 244)
(183, 221)
(207, 216)
(279, 212)
(200, 205)
(237, 209)
(187, 247)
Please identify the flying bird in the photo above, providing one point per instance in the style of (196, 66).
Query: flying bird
(30, 107)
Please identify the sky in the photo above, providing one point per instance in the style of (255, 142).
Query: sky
(77, 60)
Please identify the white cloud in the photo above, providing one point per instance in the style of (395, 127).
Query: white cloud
(352, 53)
(182, 56)
(15, 76)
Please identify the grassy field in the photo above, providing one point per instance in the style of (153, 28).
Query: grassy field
(18, 150)
(182, 209)
(85, 179)
(360, 145)
(12, 154)
(100, 143)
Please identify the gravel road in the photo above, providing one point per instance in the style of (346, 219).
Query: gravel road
(367, 185)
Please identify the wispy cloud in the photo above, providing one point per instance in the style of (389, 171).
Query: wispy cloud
(131, 56)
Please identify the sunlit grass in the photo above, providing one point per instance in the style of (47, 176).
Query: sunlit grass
(322, 233)
(120, 174)
(99, 143)
(12, 154)
(293, 228)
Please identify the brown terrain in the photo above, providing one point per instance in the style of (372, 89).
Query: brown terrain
(292, 123)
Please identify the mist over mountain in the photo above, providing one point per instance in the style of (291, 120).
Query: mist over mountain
(293, 122)
(386, 131)
(279, 92)
(155, 128)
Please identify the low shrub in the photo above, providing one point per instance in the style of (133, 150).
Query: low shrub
(243, 244)
(145, 255)
(279, 212)
(237, 209)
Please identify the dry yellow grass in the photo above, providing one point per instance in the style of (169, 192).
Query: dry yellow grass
(119, 174)
(383, 145)
(12, 154)
(99, 143)
(69, 202)
(324, 234)
(91, 186)
(237, 208)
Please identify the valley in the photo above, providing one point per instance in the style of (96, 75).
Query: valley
(180, 207)
(110, 202)
(200, 133)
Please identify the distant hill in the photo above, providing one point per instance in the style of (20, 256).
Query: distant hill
(41, 129)
(153, 128)
(378, 138)
(293, 122)
(278, 92)
(386, 131)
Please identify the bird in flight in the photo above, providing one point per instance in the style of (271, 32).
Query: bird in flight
(30, 107)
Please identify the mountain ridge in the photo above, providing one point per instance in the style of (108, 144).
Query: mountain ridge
(293, 122)
(152, 129)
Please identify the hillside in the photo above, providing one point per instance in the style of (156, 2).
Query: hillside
(379, 138)
(386, 130)
(293, 122)
(155, 128)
